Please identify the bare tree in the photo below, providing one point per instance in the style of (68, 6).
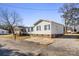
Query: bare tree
(70, 13)
(10, 19)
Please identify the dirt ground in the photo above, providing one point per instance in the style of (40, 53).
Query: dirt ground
(60, 47)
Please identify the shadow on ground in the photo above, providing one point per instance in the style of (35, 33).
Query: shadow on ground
(14, 52)
(69, 36)
(11, 52)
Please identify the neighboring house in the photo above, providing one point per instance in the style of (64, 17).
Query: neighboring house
(69, 30)
(20, 30)
(3, 32)
(77, 28)
(29, 30)
(46, 28)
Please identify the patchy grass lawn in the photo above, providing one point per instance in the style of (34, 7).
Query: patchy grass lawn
(40, 40)
(7, 36)
(11, 37)
(74, 36)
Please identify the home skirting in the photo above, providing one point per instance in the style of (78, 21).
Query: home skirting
(46, 35)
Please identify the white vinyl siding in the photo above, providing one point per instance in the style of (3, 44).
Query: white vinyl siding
(41, 30)
(57, 28)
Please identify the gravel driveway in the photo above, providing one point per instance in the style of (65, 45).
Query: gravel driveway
(61, 47)
(64, 47)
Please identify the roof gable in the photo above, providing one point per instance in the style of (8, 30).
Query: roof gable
(46, 21)
(41, 21)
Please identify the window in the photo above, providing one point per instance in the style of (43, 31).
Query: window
(28, 29)
(38, 28)
(31, 28)
(47, 27)
(2, 32)
(22, 30)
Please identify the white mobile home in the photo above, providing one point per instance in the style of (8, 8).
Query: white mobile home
(2, 32)
(47, 28)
